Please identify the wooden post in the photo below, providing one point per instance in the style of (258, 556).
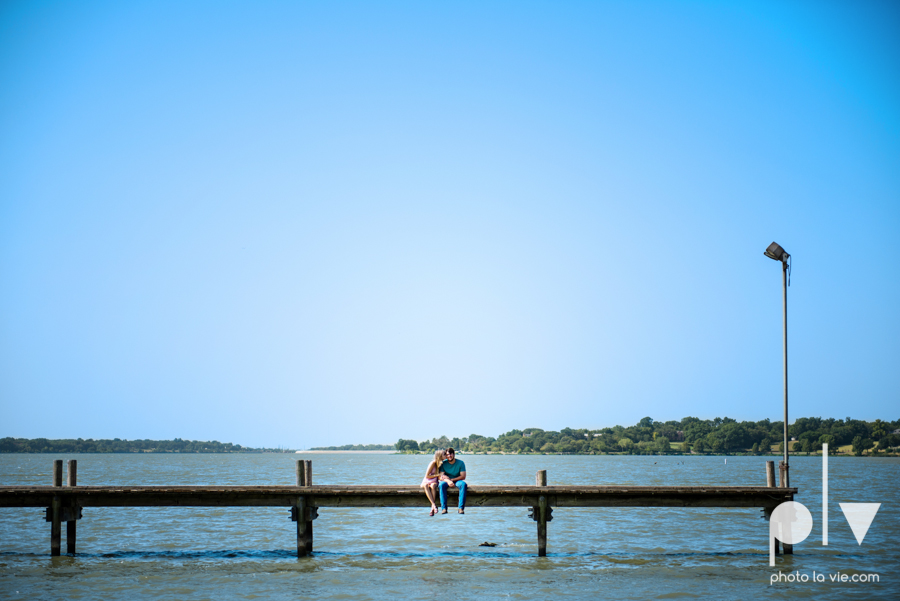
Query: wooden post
(770, 482)
(71, 480)
(782, 482)
(309, 523)
(301, 472)
(540, 479)
(55, 505)
(304, 532)
(542, 526)
(302, 525)
(57, 472)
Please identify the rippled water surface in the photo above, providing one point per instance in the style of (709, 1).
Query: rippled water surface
(207, 553)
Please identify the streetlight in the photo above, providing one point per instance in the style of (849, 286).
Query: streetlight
(775, 252)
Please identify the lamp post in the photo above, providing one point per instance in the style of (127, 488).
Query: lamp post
(775, 252)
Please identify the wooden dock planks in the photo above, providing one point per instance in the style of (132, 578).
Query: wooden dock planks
(395, 496)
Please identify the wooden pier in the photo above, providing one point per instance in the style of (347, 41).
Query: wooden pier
(65, 503)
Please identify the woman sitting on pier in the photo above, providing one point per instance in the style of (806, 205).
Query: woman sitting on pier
(429, 483)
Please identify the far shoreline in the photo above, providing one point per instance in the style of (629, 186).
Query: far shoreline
(461, 453)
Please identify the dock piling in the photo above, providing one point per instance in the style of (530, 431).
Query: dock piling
(304, 472)
(55, 506)
(303, 534)
(783, 480)
(305, 512)
(540, 513)
(71, 480)
(770, 482)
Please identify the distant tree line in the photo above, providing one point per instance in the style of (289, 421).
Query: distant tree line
(691, 434)
(357, 447)
(117, 445)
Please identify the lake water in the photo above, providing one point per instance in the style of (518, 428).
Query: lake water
(246, 553)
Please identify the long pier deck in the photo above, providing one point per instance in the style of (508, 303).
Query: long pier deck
(65, 503)
(394, 496)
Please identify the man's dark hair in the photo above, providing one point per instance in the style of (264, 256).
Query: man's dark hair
(450, 450)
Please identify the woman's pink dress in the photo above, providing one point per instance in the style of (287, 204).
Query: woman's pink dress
(427, 480)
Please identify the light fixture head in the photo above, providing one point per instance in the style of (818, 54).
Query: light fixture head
(776, 252)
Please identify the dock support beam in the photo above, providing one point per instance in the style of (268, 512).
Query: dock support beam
(71, 480)
(770, 482)
(540, 513)
(55, 511)
(784, 476)
(305, 511)
(304, 532)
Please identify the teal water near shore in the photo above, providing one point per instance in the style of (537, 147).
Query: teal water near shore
(633, 553)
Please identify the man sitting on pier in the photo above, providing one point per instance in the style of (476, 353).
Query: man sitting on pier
(453, 473)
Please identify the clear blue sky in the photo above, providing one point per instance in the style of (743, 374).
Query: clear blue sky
(313, 223)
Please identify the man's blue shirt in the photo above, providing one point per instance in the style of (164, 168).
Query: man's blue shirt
(453, 470)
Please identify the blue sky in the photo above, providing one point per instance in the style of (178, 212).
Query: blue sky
(310, 223)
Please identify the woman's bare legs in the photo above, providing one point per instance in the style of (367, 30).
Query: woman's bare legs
(430, 492)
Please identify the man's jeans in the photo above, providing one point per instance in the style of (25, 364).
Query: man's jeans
(461, 485)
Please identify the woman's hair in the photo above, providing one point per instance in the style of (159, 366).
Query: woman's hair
(438, 459)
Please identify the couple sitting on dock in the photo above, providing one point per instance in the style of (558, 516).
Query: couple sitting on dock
(445, 471)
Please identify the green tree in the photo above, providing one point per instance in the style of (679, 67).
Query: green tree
(891, 440)
(734, 436)
(441, 443)
(696, 430)
(662, 445)
(406, 445)
(861, 445)
(598, 445)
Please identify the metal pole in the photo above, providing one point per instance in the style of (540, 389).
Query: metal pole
(787, 480)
